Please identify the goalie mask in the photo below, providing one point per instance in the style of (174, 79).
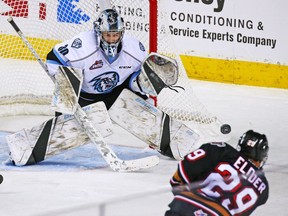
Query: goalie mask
(254, 146)
(110, 28)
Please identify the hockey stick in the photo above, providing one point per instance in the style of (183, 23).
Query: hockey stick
(107, 153)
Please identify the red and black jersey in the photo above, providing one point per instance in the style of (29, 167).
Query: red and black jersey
(223, 175)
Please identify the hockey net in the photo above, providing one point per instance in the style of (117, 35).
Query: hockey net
(26, 89)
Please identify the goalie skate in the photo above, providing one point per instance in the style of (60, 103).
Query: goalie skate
(56, 135)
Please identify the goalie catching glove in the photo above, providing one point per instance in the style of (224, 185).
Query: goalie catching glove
(157, 72)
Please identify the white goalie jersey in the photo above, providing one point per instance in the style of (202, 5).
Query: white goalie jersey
(101, 75)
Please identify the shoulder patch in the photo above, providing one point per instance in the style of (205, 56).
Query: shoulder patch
(141, 46)
(77, 43)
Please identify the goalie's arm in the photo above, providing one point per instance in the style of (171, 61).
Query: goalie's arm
(52, 58)
(53, 62)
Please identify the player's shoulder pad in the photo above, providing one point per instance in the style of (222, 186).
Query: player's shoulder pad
(214, 146)
(133, 46)
(214, 150)
(78, 47)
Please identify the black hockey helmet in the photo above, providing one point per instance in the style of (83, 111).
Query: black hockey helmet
(255, 146)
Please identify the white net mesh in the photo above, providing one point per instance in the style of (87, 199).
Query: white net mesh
(26, 89)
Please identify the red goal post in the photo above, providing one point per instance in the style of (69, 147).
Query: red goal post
(153, 6)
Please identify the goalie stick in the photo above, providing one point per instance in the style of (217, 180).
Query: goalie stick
(107, 153)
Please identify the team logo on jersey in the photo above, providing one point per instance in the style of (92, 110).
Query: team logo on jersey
(77, 43)
(141, 46)
(105, 82)
(97, 64)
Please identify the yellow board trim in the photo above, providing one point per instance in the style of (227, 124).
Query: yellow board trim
(19, 49)
(236, 72)
(218, 70)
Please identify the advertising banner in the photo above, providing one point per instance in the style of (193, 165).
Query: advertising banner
(234, 41)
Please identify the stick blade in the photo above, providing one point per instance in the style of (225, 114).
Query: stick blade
(135, 165)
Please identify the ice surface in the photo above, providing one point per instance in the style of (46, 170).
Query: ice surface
(80, 183)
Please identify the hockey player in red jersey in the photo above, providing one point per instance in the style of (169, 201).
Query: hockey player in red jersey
(216, 179)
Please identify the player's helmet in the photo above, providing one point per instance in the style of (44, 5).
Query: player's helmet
(109, 21)
(255, 146)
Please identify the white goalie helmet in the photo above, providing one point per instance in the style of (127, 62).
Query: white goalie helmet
(109, 23)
